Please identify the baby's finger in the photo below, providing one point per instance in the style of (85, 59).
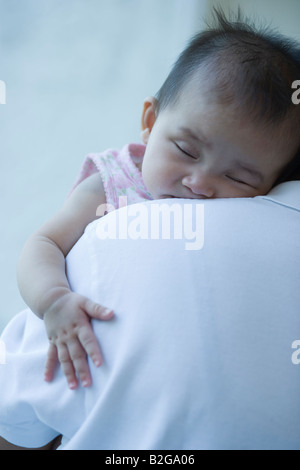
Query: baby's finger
(51, 363)
(67, 366)
(80, 362)
(98, 311)
(90, 344)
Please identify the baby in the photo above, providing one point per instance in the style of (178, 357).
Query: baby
(223, 125)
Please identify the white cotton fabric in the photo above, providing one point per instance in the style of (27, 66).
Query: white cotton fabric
(199, 355)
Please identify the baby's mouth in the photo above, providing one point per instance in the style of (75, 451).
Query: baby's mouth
(169, 196)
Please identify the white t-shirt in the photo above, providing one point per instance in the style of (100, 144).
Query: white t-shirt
(200, 354)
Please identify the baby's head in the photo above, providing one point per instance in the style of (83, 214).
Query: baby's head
(224, 124)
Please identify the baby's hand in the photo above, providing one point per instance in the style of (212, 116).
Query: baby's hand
(68, 325)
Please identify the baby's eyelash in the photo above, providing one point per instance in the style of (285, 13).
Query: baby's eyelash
(237, 180)
(234, 179)
(185, 152)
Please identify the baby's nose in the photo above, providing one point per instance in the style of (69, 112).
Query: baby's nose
(200, 185)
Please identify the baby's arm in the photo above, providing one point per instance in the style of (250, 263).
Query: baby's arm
(44, 286)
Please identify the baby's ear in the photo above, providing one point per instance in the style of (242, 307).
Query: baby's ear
(148, 117)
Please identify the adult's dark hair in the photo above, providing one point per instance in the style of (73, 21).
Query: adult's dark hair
(250, 68)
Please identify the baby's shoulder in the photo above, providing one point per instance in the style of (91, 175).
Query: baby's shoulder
(91, 184)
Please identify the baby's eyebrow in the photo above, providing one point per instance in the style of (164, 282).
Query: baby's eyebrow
(199, 137)
(253, 171)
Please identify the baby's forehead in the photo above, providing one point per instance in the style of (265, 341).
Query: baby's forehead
(214, 85)
(207, 90)
(197, 90)
(246, 86)
(203, 95)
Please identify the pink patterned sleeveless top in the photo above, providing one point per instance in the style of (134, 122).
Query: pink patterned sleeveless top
(120, 174)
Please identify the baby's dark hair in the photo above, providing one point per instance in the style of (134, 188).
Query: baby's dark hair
(252, 70)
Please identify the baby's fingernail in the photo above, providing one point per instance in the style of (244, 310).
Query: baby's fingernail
(72, 385)
(107, 312)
